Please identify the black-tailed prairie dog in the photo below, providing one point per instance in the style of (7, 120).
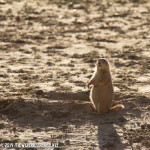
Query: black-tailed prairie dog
(102, 92)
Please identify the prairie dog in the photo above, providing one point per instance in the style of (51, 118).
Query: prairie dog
(102, 92)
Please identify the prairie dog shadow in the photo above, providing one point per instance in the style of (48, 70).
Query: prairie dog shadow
(41, 112)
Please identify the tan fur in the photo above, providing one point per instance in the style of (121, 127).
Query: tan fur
(116, 108)
(102, 92)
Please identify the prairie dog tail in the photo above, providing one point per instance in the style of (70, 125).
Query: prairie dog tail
(117, 108)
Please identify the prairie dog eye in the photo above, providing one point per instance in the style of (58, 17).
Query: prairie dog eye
(99, 63)
(104, 61)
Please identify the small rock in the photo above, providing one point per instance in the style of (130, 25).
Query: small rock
(57, 148)
(2, 2)
(2, 126)
(45, 140)
(14, 129)
(61, 144)
(21, 130)
(93, 145)
(39, 92)
(143, 126)
(35, 138)
(122, 119)
(108, 145)
(67, 142)
(49, 64)
(36, 130)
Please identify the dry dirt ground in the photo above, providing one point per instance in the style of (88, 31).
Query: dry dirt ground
(48, 50)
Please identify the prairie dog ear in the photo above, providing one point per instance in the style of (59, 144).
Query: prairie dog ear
(96, 62)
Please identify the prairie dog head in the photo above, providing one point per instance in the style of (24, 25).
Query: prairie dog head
(102, 63)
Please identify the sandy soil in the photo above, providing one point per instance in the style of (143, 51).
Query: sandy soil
(47, 54)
